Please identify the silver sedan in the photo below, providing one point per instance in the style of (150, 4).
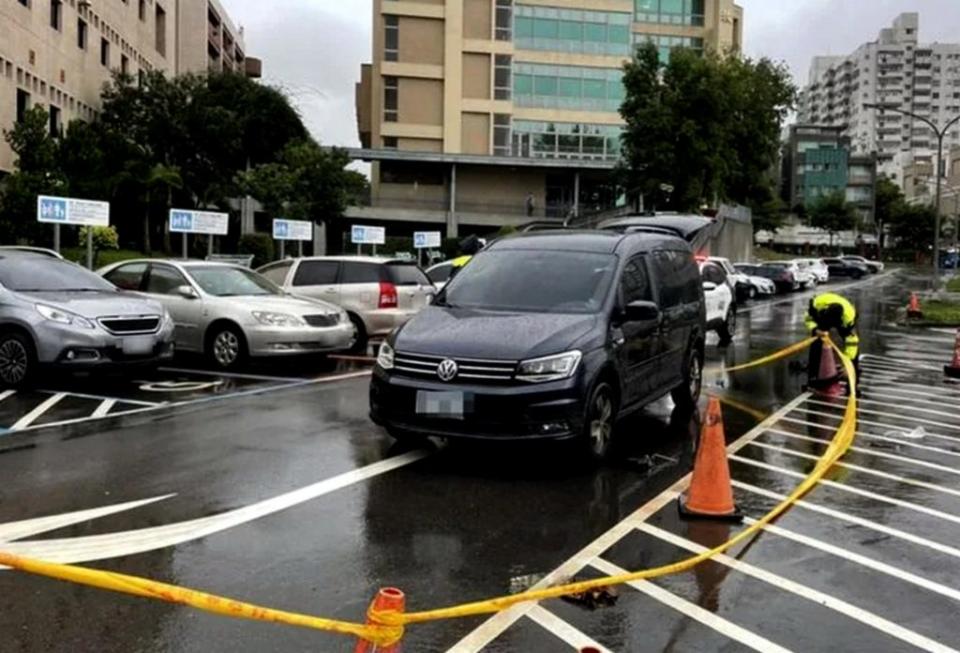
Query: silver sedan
(228, 312)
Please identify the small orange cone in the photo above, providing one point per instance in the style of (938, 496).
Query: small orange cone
(953, 369)
(710, 495)
(388, 599)
(828, 379)
(913, 308)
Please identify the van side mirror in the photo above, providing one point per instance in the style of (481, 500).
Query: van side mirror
(642, 311)
(709, 286)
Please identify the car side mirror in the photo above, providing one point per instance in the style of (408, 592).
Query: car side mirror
(642, 311)
(709, 286)
(187, 292)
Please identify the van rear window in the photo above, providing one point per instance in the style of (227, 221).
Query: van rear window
(406, 274)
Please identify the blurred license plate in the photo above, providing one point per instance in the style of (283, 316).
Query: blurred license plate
(440, 404)
(138, 346)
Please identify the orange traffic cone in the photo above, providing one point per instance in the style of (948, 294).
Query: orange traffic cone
(913, 308)
(710, 495)
(388, 599)
(953, 369)
(827, 381)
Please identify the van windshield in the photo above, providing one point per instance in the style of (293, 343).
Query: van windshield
(533, 281)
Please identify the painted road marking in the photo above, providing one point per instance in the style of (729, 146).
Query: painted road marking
(873, 452)
(863, 561)
(562, 630)
(493, 627)
(910, 336)
(37, 412)
(114, 545)
(105, 407)
(723, 626)
(907, 406)
(874, 436)
(945, 516)
(20, 529)
(7, 393)
(881, 413)
(864, 422)
(869, 387)
(853, 519)
(83, 395)
(860, 468)
(232, 375)
(919, 401)
(838, 605)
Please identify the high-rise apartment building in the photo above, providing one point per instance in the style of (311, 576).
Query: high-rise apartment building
(896, 71)
(480, 113)
(59, 53)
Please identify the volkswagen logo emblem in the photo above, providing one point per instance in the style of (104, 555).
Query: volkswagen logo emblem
(447, 370)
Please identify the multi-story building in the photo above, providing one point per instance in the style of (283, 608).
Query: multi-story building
(818, 160)
(481, 113)
(897, 72)
(59, 53)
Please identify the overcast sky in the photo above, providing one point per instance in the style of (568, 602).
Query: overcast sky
(314, 48)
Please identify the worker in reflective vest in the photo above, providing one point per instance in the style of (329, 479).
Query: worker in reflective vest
(832, 312)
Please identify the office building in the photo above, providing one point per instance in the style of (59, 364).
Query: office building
(896, 71)
(482, 113)
(60, 53)
(818, 160)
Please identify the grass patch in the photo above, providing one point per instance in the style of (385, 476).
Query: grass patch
(106, 257)
(941, 312)
(954, 285)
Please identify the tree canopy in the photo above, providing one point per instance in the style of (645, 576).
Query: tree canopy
(704, 128)
(832, 213)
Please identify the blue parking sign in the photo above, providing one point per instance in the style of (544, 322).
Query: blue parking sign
(53, 210)
(181, 221)
(281, 229)
(359, 235)
(419, 240)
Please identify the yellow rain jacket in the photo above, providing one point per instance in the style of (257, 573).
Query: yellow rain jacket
(823, 315)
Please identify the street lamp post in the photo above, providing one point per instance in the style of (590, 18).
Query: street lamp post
(941, 134)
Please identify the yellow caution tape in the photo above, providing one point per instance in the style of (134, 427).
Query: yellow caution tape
(783, 353)
(388, 626)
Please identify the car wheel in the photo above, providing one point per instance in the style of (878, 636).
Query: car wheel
(226, 347)
(688, 393)
(360, 344)
(18, 360)
(752, 292)
(601, 416)
(729, 327)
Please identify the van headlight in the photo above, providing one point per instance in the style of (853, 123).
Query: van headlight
(63, 317)
(549, 368)
(385, 357)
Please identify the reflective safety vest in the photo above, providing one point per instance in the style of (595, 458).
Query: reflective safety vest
(460, 261)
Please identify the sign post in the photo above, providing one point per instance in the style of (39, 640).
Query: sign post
(69, 210)
(298, 230)
(183, 221)
(425, 240)
(360, 236)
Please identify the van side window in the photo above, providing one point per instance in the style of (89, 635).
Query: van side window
(316, 273)
(635, 283)
(354, 272)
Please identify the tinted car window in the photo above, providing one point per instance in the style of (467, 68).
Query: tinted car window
(164, 280)
(277, 272)
(635, 282)
(533, 280)
(714, 274)
(361, 273)
(31, 273)
(127, 277)
(833, 261)
(678, 277)
(316, 273)
(440, 274)
(406, 274)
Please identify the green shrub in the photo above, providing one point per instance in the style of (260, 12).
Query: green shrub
(260, 245)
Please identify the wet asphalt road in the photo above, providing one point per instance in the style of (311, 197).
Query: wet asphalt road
(463, 523)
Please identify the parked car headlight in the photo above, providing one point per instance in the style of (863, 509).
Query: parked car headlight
(385, 357)
(63, 317)
(277, 319)
(549, 368)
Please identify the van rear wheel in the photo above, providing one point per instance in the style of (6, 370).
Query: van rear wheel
(688, 393)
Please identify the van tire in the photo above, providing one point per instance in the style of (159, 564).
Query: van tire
(687, 394)
(728, 328)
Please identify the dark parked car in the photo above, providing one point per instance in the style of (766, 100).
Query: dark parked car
(782, 274)
(840, 267)
(875, 267)
(549, 335)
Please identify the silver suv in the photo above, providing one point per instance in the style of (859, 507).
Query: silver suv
(379, 294)
(55, 313)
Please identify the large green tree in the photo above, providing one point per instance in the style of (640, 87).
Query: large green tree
(701, 129)
(889, 201)
(912, 226)
(832, 213)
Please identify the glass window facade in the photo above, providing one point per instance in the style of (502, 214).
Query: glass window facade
(670, 12)
(576, 88)
(565, 140)
(665, 44)
(571, 30)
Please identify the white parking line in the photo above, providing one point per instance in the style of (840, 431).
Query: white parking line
(803, 591)
(83, 395)
(947, 387)
(561, 629)
(853, 519)
(881, 413)
(37, 412)
(899, 397)
(7, 393)
(872, 386)
(105, 407)
(860, 468)
(492, 628)
(723, 626)
(231, 375)
(910, 336)
(945, 516)
(873, 452)
(892, 427)
(891, 360)
(862, 560)
(874, 436)
(906, 406)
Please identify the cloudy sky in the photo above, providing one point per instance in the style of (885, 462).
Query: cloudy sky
(314, 48)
